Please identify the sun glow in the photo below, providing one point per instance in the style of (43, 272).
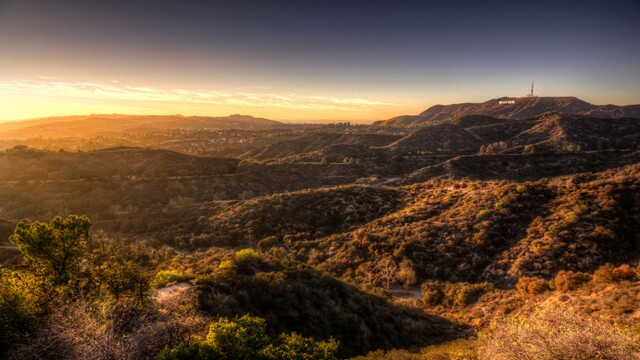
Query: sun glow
(58, 97)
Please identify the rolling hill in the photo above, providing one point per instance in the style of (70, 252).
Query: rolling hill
(318, 142)
(549, 132)
(512, 108)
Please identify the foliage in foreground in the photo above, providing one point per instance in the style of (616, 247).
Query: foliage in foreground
(246, 338)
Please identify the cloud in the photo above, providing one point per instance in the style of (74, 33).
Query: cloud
(117, 91)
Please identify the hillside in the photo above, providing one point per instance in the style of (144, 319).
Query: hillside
(549, 132)
(466, 230)
(318, 142)
(318, 213)
(556, 131)
(27, 164)
(521, 108)
(378, 238)
(110, 125)
(522, 167)
(295, 297)
(444, 138)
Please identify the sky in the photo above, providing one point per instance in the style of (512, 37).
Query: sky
(309, 60)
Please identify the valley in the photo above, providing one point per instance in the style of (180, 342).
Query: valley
(404, 237)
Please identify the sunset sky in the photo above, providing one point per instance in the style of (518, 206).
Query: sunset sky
(309, 60)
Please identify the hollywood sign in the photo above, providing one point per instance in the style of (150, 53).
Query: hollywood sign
(501, 102)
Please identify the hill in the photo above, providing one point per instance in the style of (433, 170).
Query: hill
(318, 213)
(513, 108)
(522, 167)
(549, 132)
(443, 138)
(468, 230)
(22, 164)
(555, 131)
(319, 142)
(110, 125)
(295, 297)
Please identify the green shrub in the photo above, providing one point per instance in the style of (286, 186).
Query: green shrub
(165, 277)
(246, 338)
(247, 256)
(19, 306)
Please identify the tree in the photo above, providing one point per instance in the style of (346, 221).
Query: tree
(125, 279)
(53, 250)
(387, 272)
(406, 274)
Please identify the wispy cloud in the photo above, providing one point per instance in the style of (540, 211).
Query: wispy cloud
(117, 91)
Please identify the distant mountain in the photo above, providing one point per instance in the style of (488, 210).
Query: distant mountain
(512, 108)
(104, 125)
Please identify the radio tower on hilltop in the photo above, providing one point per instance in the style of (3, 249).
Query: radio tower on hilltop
(531, 94)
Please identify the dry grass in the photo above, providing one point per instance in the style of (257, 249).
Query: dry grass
(556, 333)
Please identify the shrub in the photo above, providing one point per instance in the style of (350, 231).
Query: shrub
(607, 274)
(460, 294)
(569, 280)
(557, 334)
(165, 277)
(625, 272)
(19, 306)
(530, 285)
(246, 338)
(247, 256)
(453, 350)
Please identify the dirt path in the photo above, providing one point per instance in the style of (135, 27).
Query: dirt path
(168, 292)
(412, 293)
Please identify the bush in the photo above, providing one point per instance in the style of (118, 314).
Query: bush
(531, 285)
(569, 280)
(453, 350)
(166, 277)
(557, 334)
(607, 274)
(246, 338)
(460, 294)
(247, 256)
(19, 306)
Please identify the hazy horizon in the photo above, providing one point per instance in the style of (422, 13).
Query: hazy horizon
(287, 121)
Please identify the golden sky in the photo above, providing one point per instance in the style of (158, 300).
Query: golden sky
(308, 60)
(22, 99)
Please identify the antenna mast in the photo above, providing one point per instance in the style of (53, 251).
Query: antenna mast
(531, 95)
